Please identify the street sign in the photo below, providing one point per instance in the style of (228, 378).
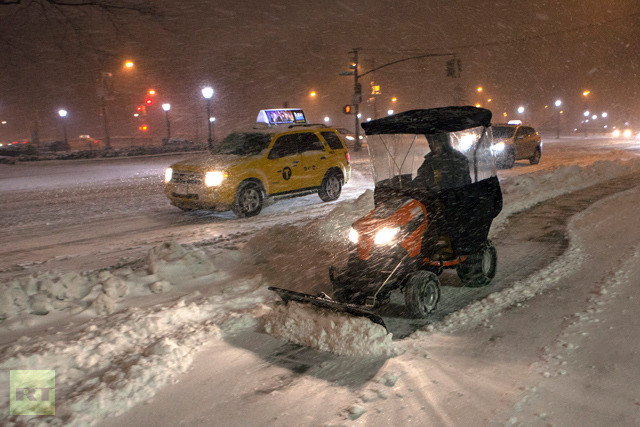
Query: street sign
(347, 73)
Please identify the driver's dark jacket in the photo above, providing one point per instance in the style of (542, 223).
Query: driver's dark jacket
(450, 169)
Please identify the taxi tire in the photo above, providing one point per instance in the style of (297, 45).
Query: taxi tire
(248, 201)
(331, 186)
(509, 160)
(535, 159)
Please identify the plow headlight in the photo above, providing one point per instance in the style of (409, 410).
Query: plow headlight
(385, 236)
(353, 235)
(168, 174)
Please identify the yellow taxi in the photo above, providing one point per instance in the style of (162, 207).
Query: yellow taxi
(271, 161)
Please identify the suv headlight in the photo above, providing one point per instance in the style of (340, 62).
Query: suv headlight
(168, 174)
(498, 148)
(215, 178)
(385, 236)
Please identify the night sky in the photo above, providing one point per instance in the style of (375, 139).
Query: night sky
(265, 54)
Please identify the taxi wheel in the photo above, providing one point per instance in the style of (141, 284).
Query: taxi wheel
(331, 187)
(535, 159)
(248, 201)
(509, 160)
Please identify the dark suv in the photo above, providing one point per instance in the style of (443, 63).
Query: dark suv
(516, 142)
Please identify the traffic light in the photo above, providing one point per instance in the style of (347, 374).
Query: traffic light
(451, 70)
(454, 68)
(148, 101)
(347, 109)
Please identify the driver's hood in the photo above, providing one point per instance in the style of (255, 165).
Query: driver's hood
(211, 162)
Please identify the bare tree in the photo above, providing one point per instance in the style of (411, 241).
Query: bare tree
(28, 24)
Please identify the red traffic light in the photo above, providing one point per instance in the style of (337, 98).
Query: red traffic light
(148, 101)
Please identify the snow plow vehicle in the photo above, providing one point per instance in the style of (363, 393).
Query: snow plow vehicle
(436, 195)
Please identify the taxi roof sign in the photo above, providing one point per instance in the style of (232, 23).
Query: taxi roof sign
(282, 116)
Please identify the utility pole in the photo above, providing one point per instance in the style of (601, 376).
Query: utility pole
(357, 98)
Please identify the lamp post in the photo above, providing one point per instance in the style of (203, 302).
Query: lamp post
(166, 108)
(585, 95)
(63, 114)
(521, 111)
(207, 93)
(558, 103)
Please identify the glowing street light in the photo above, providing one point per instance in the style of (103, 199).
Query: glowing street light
(129, 65)
(604, 115)
(327, 119)
(63, 113)
(558, 104)
(207, 93)
(521, 109)
(389, 112)
(586, 113)
(313, 94)
(166, 107)
(479, 89)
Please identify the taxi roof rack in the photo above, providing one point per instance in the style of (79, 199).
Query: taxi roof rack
(308, 125)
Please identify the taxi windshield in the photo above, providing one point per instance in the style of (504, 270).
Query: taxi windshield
(243, 144)
(501, 132)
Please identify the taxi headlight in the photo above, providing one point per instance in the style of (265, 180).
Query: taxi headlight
(353, 235)
(349, 137)
(385, 236)
(168, 174)
(215, 178)
(498, 148)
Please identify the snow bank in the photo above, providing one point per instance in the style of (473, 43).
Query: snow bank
(524, 191)
(168, 265)
(327, 330)
(303, 254)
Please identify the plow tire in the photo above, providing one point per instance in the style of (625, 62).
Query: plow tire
(479, 268)
(422, 293)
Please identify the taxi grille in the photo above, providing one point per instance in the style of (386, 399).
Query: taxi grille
(180, 177)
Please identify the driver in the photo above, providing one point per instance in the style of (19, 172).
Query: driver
(443, 167)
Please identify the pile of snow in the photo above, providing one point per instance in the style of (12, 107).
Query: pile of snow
(108, 367)
(168, 265)
(303, 254)
(328, 330)
(524, 191)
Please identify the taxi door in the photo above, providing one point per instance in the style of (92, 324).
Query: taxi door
(283, 167)
(314, 159)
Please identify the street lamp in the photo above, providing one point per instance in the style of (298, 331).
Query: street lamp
(63, 113)
(207, 93)
(166, 107)
(558, 103)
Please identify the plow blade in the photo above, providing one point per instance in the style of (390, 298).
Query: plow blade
(323, 301)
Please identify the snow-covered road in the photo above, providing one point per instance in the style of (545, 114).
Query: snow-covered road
(192, 334)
